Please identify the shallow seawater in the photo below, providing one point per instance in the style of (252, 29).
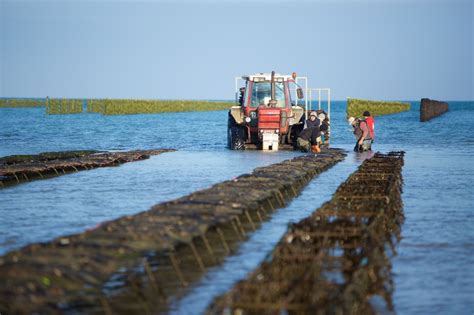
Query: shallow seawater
(433, 271)
(44, 209)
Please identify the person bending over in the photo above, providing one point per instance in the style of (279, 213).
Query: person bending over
(361, 133)
(309, 140)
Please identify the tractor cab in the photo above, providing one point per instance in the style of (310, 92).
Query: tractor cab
(269, 113)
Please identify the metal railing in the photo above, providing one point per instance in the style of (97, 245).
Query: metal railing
(309, 92)
(319, 90)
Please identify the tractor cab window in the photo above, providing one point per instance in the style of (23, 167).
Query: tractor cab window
(261, 94)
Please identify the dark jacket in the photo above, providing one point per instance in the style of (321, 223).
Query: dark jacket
(310, 134)
(312, 124)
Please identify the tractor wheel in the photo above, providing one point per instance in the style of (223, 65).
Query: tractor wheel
(295, 131)
(235, 135)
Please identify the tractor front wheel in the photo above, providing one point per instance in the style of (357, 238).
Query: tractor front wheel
(235, 135)
(293, 135)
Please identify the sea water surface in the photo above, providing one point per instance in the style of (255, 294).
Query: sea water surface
(433, 271)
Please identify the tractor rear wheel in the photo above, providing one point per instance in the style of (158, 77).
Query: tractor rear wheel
(235, 135)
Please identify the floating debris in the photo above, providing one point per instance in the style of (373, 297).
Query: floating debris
(133, 264)
(334, 261)
(20, 168)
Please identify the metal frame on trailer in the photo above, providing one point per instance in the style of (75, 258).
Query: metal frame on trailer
(319, 90)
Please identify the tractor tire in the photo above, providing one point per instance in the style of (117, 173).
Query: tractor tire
(235, 135)
(295, 132)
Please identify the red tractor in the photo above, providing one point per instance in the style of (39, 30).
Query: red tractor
(267, 114)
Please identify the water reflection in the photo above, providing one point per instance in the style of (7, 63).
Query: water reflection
(360, 157)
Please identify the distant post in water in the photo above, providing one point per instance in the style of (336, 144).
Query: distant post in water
(431, 108)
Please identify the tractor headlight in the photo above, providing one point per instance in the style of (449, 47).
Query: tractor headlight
(247, 119)
(277, 130)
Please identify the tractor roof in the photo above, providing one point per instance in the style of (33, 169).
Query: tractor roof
(266, 77)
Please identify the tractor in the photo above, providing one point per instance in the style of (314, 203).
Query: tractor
(270, 112)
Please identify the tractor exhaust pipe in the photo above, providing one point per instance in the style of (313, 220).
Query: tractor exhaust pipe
(273, 85)
(273, 101)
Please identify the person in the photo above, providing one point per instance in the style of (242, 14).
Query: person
(370, 123)
(324, 126)
(361, 133)
(309, 139)
(313, 120)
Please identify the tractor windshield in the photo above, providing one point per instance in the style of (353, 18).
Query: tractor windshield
(261, 94)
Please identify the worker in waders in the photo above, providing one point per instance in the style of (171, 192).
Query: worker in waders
(361, 133)
(309, 140)
(323, 125)
(370, 123)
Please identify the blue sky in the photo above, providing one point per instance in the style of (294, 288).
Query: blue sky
(194, 49)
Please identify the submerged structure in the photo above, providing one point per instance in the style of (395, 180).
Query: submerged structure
(356, 107)
(16, 169)
(133, 264)
(336, 260)
(430, 109)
